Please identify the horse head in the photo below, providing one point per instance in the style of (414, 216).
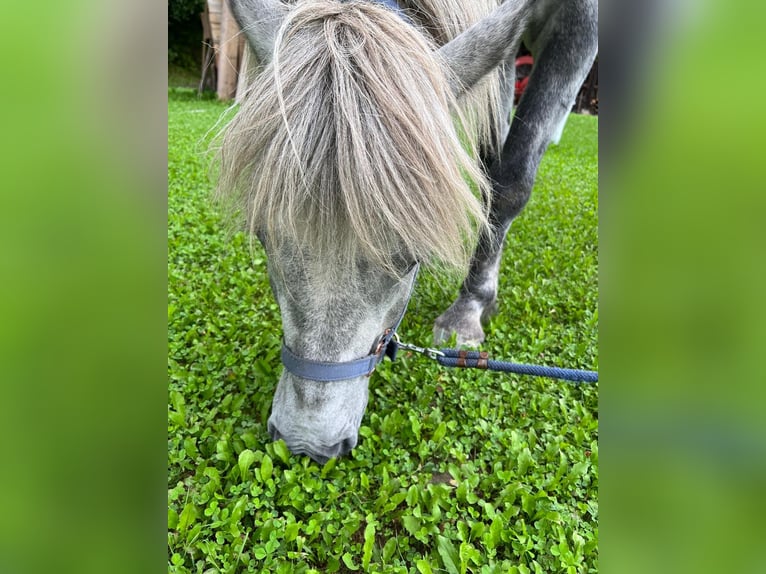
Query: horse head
(345, 162)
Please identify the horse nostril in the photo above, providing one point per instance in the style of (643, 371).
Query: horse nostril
(346, 445)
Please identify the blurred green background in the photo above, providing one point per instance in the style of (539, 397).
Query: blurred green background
(682, 292)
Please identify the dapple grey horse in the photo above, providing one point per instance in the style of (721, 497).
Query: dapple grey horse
(334, 313)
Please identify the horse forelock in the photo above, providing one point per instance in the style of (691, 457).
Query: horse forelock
(345, 145)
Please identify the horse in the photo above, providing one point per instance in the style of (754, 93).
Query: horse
(377, 137)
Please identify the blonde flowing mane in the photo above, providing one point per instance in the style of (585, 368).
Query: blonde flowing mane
(345, 146)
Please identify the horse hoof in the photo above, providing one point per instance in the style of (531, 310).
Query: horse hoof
(468, 333)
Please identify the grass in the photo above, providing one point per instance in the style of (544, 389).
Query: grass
(455, 471)
(187, 78)
(182, 77)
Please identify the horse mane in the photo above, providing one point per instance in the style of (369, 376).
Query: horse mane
(345, 145)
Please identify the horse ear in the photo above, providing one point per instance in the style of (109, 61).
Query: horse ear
(259, 20)
(483, 46)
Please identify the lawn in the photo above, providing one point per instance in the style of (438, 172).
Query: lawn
(455, 471)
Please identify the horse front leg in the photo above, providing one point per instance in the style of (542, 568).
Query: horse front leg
(477, 300)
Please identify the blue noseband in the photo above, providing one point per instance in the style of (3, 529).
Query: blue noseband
(327, 371)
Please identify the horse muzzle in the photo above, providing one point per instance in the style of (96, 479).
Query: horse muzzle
(311, 446)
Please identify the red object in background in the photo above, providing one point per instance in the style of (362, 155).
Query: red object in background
(587, 98)
(523, 69)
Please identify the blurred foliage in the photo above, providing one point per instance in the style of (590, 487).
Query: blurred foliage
(183, 10)
(185, 34)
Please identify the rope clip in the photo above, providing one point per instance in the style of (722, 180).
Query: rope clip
(427, 351)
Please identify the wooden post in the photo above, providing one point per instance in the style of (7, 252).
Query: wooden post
(214, 10)
(228, 56)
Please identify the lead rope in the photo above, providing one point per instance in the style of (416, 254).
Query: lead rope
(480, 360)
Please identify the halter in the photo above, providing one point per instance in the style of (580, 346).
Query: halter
(386, 345)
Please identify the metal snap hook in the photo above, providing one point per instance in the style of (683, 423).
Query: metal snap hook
(427, 351)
